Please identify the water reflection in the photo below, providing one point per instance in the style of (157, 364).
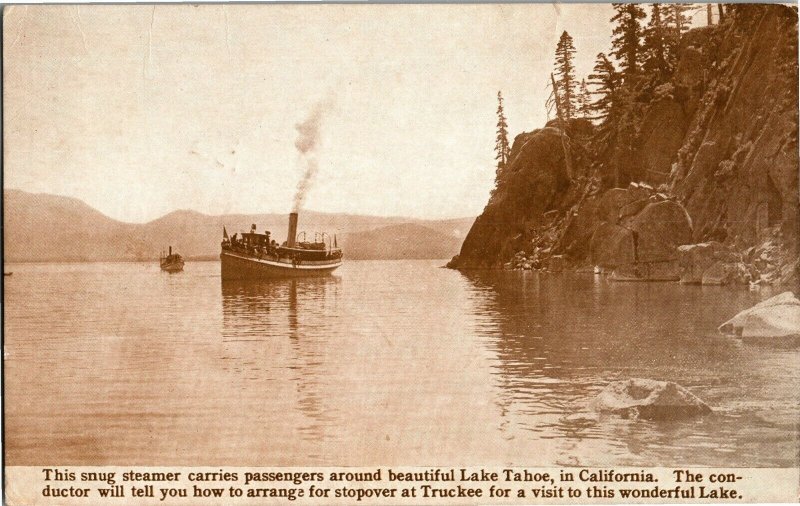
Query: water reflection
(532, 369)
(559, 339)
(370, 367)
(276, 329)
(259, 309)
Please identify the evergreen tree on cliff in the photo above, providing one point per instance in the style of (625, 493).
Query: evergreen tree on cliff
(677, 18)
(566, 95)
(584, 101)
(606, 82)
(608, 106)
(501, 147)
(626, 39)
(657, 58)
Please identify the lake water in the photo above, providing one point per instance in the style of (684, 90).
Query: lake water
(384, 363)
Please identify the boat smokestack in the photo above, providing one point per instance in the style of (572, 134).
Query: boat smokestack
(292, 230)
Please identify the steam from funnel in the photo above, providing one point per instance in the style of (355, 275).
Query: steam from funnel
(305, 183)
(308, 137)
(308, 131)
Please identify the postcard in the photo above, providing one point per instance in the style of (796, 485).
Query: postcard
(400, 253)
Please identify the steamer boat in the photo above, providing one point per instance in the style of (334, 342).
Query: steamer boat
(172, 262)
(257, 256)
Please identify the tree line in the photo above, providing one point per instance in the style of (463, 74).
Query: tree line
(644, 50)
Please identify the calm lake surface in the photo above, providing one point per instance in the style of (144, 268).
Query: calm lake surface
(385, 363)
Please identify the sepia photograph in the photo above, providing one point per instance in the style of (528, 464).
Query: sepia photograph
(428, 236)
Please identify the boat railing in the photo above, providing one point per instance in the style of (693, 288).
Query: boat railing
(277, 253)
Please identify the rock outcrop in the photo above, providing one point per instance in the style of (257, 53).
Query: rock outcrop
(662, 132)
(639, 233)
(713, 159)
(713, 263)
(536, 181)
(696, 259)
(649, 399)
(776, 317)
(737, 169)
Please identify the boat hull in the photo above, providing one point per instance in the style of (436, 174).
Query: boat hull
(172, 267)
(236, 266)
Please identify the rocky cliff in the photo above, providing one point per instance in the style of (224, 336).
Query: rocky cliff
(714, 160)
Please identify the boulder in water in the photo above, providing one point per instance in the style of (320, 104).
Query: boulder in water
(649, 399)
(778, 316)
(659, 229)
(612, 245)
(696, 259)
(713, 263)
(643, 247)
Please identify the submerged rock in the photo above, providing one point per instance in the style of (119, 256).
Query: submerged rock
(649, 399)
(778, 316)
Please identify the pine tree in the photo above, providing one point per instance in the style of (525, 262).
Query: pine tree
(733, 9)
(501, 147)
(627, 37)
(566, 95)
(656, 47)
(584, 101)
(611, 106)
(677, 18)
(606, 82)
(677, 21)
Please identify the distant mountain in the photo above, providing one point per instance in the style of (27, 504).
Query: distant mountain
(404, 241)
(43, 227)
(40, 227)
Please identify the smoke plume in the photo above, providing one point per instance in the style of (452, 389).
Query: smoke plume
(305, 183)
(308, 137)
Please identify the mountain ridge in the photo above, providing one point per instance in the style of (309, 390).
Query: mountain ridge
(77, 232)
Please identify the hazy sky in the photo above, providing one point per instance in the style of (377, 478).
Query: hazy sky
(141, 110)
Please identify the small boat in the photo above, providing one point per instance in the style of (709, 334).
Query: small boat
(172, 262)
(257, 256)
(7, 273)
